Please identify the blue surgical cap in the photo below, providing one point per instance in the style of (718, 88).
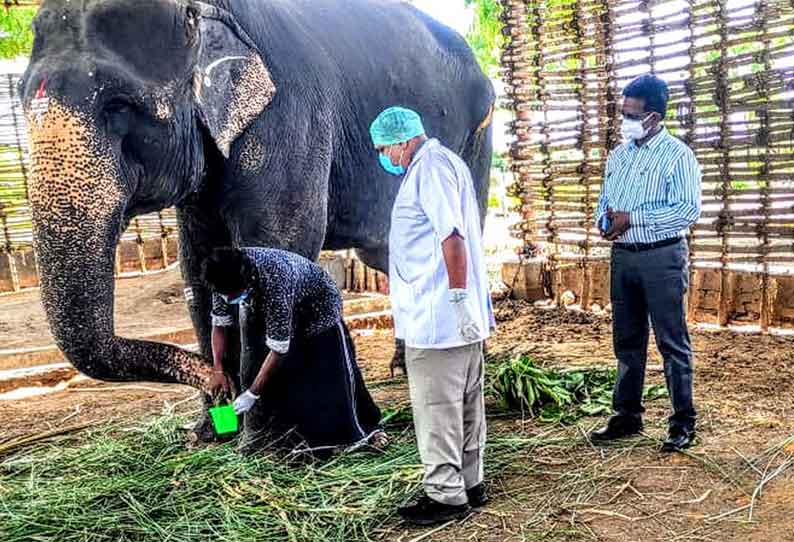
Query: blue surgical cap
(396, 125)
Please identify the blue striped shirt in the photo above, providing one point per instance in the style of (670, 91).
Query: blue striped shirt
(657, 183)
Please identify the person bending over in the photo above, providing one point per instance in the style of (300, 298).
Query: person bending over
(297, 361)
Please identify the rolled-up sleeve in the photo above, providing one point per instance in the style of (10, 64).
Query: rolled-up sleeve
(440, 197)
(222, 315)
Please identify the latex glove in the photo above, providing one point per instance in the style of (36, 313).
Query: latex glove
(467, 327)
(245, 402)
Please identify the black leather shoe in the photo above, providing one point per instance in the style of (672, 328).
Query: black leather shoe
(426, 511)
(678, 439)
(618, 428)
(477, 495)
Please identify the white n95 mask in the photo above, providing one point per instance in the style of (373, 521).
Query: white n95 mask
(633, 130)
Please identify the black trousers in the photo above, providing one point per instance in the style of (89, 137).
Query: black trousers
(652, 285)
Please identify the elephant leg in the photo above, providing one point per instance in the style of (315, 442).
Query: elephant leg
(253, 351)
(198, 236)
(398, 359)
(379, 259)
(293, 220)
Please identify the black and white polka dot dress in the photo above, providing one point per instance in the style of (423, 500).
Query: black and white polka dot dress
(295, 308)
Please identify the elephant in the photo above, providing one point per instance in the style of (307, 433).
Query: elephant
(250, 117)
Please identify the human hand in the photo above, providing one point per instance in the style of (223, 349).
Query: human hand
(219, 383)
(467, 327)
(603, 224)
(245, 402)
(621, 222)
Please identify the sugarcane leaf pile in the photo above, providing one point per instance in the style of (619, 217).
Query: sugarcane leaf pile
(557, 396)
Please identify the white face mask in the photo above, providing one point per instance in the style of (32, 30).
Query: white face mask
(633, 130)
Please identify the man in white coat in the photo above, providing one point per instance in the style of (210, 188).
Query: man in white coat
(442, 310)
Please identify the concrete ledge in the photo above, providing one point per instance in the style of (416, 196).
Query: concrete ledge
(372, 320)
(742, 299)
(368, 303)
(526, 278)
(21, 359)
(36, 377)
(17, 359)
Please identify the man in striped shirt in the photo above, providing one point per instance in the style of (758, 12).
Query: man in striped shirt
(651, 197)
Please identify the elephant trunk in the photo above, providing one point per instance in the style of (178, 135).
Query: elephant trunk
(78, 200)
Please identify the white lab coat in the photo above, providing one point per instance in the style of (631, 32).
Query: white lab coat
(436, 198)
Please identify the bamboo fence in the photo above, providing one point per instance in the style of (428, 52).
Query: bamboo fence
(730, 68)
(16, 234)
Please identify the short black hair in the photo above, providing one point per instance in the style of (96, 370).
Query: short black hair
(652, 90)
(226, 271)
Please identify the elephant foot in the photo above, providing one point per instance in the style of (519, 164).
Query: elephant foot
(398, 360)
(203, 431)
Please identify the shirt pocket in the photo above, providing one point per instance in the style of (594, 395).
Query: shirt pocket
(405, 290)
(399, 270)
(654, 186)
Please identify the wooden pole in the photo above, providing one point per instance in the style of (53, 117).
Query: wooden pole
(722, 96)
(767, 295)
(581, 85)
(163, 240)
(140, 245)
(13, 271)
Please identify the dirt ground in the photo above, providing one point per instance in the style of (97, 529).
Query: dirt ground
(570, 490)
(23, 324)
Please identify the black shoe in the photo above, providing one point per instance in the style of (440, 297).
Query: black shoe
(426, 511)
(618, 427)
(678, 439)
(477, 495)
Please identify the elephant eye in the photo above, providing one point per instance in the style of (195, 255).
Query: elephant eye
(118, 115)
(118, 107)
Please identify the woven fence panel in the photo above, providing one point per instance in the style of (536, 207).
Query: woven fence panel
(15, 218)
(730, 67)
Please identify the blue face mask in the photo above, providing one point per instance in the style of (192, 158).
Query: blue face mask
(243, 296)
(385, 163)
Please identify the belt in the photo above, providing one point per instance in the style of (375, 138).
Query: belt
(642, 247)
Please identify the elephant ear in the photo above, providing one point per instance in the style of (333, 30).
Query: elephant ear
(232, 84)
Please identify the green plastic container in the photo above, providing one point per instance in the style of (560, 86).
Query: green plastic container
(224, 419)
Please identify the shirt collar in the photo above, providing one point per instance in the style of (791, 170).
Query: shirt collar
(424, 149)
(655, 141)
